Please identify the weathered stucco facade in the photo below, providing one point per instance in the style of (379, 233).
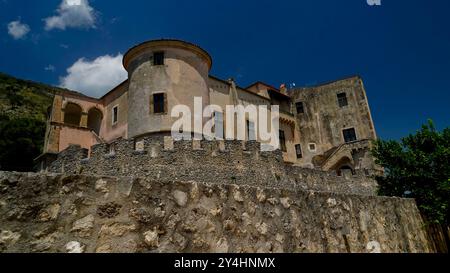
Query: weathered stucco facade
(182, 76)
(166, 73)
(324, 119)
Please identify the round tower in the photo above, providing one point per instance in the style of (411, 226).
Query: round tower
(163, 74)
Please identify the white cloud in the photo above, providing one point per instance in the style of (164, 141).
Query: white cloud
(18, 30)
(50, 68)
(72, 13)
(95, 78)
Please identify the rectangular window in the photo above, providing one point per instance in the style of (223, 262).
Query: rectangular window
(158, 58)
(218, 125)
(342, 99)
(251, 130)
(298, 151)
(115, 114)
(300, 107)
(158, 103)
(282, 141)
(349, 135)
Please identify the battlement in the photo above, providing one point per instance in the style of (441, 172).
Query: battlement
(214, 162)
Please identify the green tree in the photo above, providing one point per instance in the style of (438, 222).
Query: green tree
(418, 167)
(21, 141)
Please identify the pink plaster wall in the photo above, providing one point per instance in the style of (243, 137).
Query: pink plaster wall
(86, 104)
(117, 97)
(77, 136)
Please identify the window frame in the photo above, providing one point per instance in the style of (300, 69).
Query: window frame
(342, 100)
(115, 115)
(161, 61)
(302, 107)
(315, 147)
(298, 151)
(162, 103)
(347, 130)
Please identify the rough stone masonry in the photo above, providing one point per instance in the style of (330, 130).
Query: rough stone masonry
(219, 162)
(77, 213)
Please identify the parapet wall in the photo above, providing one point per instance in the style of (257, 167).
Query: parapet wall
(75, 213)
(228, 162)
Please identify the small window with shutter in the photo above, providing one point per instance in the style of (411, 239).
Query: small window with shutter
(342, 99)
(300, 107)
(349, 135)
(158, 103)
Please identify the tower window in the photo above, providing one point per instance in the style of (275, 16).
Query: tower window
(349, 135)
(300, 107)
(115, 114)
(158, 58)
(342, 99)
(298, 151)
(159, 103)
(282, 141)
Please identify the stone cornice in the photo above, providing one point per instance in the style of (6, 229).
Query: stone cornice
(139, 49)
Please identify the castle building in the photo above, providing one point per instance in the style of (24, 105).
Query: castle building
(327, 127)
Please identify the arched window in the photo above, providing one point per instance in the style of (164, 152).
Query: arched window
(72, 114)
(94, 122)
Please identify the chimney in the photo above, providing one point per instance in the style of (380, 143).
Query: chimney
(283, 89)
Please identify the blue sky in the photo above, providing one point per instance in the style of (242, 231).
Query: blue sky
(401, 48)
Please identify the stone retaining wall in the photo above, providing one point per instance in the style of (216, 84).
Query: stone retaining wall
(75, 213)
